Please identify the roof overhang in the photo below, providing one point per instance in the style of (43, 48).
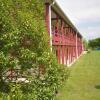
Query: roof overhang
(58, 10)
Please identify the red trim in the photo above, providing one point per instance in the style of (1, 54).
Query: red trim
(47, 17)
(63, 38)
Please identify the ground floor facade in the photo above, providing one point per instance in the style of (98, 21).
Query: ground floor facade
(65, 40)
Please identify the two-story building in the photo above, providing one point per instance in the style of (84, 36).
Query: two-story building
(65, 40)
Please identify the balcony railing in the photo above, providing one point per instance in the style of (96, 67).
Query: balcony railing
(62, 39)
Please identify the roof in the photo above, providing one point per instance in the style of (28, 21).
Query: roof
(58, 9)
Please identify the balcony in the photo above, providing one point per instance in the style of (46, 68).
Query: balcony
(62, 39)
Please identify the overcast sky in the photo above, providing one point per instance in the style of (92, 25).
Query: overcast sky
(84, 14)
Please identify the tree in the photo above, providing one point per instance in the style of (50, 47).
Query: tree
(21, 30)
(94, 43)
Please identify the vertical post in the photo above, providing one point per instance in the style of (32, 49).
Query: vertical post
(48, 21)
(47, 17)
(50, 27)
(76, 47)
(58, 50)
(68, 59)
(63, 46)
(74, 52)
(67, 56)
(56, 28)
(62, 26)
(63, 54)
(65, 59)
(71, 53)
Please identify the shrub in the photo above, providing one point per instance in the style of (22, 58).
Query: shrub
(24, 45)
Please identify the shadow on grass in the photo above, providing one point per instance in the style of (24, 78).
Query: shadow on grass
(97, 86)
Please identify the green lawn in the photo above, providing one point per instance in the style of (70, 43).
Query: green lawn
(84, 79)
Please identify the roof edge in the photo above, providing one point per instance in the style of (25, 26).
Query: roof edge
(64, 16)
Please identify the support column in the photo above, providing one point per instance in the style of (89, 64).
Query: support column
(69, 55)
(68, 60)
(72, 53)
(63, 46)
(78, 50)
(63, 53)
(48, 21)
(76, 47)
(58, 49)
(47, 13)
(56, 28)
(66, 55)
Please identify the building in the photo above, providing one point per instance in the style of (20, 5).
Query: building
(65, 39)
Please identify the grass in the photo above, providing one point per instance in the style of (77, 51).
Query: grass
(84, 79)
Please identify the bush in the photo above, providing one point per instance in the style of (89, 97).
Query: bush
(24, 45)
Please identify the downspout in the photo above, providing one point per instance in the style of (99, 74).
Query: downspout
(50, 23)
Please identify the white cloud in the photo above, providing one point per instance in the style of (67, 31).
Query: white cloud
(85, 14)
(90, 32)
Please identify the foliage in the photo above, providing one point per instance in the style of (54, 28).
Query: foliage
(94, 43)
(24, 44)
(85, 43)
